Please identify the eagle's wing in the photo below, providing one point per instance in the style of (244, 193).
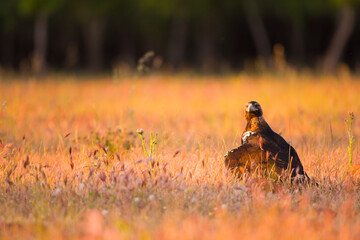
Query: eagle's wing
(284, 154)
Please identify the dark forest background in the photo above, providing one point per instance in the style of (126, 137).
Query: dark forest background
(203, 35)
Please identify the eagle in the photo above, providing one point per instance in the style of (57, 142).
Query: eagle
(264, 150)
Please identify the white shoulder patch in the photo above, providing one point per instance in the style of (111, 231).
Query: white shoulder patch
(246, 135)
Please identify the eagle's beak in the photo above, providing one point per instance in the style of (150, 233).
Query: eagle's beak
(250, 108)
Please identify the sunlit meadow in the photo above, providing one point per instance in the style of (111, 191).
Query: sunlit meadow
(73, 166)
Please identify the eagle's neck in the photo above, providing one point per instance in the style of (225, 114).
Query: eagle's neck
(257, 124)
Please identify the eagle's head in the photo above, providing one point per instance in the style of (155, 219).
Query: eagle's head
(253, 109)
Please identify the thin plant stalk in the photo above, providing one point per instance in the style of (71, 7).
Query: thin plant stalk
(349, 124)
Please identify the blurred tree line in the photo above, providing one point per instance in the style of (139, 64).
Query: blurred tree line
(207, 35)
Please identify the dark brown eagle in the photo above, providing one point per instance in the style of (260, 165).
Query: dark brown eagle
(264, 150)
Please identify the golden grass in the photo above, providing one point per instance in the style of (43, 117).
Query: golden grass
(105, 187)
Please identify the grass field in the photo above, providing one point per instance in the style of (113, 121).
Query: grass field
(72, 165)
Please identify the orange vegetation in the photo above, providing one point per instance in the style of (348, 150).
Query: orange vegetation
(72, 165)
